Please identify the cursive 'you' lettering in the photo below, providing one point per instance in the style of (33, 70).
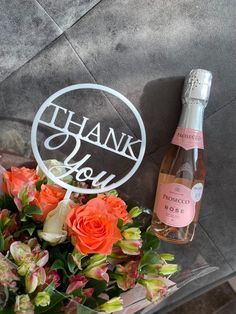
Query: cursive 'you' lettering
(122, 146)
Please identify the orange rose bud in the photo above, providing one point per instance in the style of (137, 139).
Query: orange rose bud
(17, 178)
(118, 207)
(92, 227)
(47, 199)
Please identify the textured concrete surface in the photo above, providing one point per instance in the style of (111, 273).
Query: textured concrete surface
(25, 30)
(210, 302)
(67, 12)
(143, 49)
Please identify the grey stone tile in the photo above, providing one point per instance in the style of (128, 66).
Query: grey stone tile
(220, 134)
(219, 199)
(55, 67)
(221, 228)
(160, 107)
(141, 187)
(210, 302)
(161, 39)
(25, 30)
(67, 12)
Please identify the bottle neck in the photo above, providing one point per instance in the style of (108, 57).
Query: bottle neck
(192, 115)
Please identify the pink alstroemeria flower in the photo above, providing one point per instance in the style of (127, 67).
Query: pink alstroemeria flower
(8, 272)
(25, 195)
(156, 289)
(126, 275)
(30, 259)
(76, 282)
(23, 305)
(9, 224)
(117, 256)
(71, 307)
(52, 276)
(97, 269)
(130, 247)
(35, 279)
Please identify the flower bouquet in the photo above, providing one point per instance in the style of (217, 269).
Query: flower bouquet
(76, 255)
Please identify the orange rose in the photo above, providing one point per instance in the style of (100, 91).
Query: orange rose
(92, 227)
(47, 199)
(15, 179)
(118, 207)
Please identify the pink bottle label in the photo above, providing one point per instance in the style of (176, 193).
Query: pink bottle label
(188, 138)
(175, 206)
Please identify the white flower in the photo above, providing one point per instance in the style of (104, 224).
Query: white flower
(53, 228)
(57, 168)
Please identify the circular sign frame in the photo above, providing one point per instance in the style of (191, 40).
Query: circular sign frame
(61, 183)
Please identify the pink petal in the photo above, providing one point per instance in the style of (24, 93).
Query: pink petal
(31, 282)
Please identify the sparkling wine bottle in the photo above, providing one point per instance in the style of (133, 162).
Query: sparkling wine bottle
(182, 173)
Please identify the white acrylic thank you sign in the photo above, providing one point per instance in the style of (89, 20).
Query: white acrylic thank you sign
(74, 163)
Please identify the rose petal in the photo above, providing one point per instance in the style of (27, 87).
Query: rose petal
(53, 238)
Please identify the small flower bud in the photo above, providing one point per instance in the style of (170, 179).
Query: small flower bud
(42, 299)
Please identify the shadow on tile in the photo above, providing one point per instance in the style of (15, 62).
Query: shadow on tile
(160, 107)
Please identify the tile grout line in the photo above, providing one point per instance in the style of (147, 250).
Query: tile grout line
(216, 247)
(90, 73)
(64, 30)
(78, 56)
(49, 44)
(42, 8)
(35, 56)
(84, 15)
(222, 107)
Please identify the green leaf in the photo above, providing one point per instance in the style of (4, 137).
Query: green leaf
(9, 310)
(120, 223)
(131, 204)
(56, 253)
(1, 226)
(91, 303)
(91, 196)
(58, 264)
(29, 227)
(23, 218)
(50, 288)
(40, 182)
(149, 257)
(78, 292)
(134, 224)
(7, 202)
(31, 210)
(77, 257)
(150, 241)
(1, 242)
(114, 292)
(71, 264)
(98, 285)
